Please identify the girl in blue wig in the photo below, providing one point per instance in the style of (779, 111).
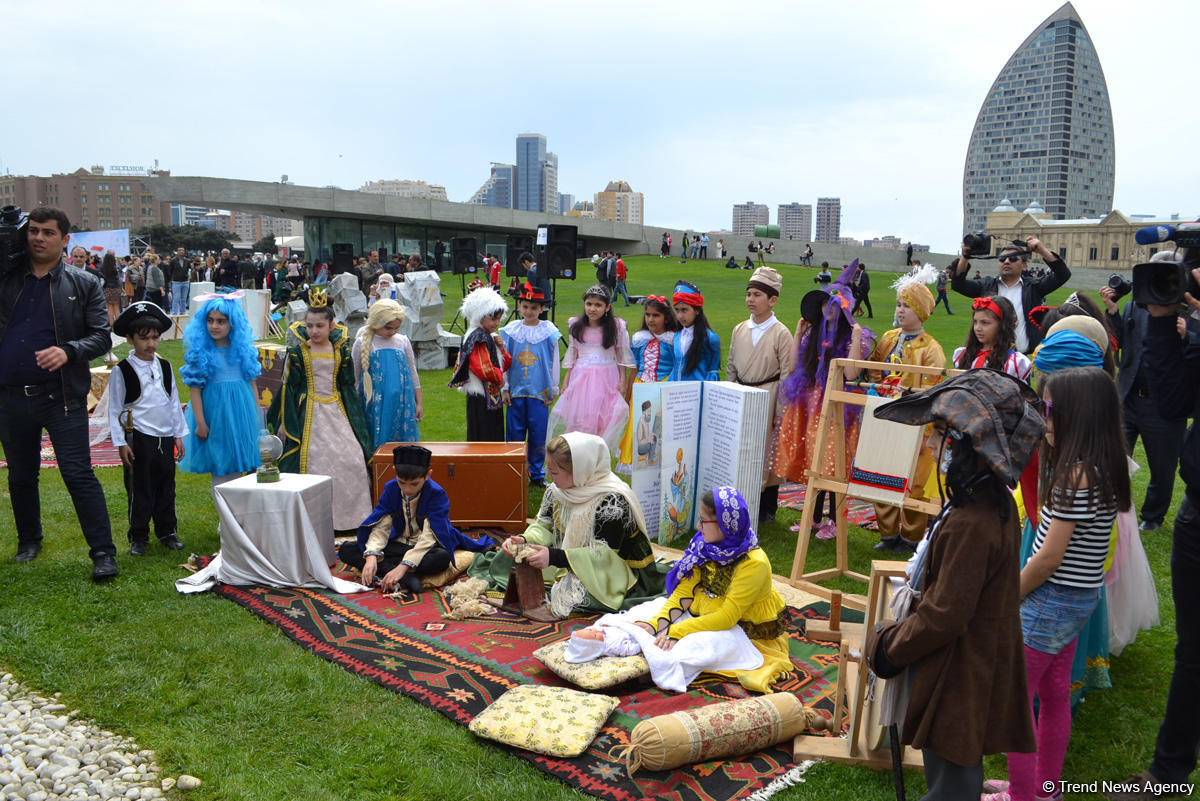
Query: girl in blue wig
(220, 361)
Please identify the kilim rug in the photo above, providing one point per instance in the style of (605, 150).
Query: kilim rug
(858, 512)
(459, 667)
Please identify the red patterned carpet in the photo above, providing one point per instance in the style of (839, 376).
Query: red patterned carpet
(858, 512)
(459, 667)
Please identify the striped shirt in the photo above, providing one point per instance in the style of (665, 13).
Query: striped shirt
(1083, 562)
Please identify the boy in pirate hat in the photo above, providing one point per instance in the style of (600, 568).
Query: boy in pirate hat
(760, 355)
(145, 421)
(531, 381)
(408, 534)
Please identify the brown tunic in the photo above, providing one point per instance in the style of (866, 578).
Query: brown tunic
(748, 363)
(963, 641)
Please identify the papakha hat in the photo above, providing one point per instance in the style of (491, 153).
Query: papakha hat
(412, 454)
(999, 412)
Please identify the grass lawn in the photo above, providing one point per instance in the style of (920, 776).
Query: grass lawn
(219, 694)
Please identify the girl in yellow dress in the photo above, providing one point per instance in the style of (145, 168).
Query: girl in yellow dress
(723, 580)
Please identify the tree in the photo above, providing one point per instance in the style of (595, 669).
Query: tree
(166, 238)
(265, 245)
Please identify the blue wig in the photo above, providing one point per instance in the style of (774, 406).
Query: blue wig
(199, 364)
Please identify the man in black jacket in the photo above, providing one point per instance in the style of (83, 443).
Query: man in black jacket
(1025, 294)
(1172, 366)
(227, 271)
(179, 270)
(53, 321)
(1161, 437)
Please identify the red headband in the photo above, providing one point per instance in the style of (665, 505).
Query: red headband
(989, 304)
(658, 298)
(690, 298)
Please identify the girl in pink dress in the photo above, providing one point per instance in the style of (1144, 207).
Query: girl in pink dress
(597, 373)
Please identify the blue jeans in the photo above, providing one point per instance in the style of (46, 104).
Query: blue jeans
(1179, 737)
(21, 422)
(621, 290)
(179, 296)
(1052, 615)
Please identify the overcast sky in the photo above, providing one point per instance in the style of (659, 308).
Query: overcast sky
(699, 105)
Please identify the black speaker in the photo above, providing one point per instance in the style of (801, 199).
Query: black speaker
(383, 255)
(559, 255)
(515, 246)
(462, 255)
(343, 258)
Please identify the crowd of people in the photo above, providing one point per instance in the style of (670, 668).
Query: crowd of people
(1010, 605)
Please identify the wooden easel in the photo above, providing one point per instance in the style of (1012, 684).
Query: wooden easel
(864, 745)
(832, 425)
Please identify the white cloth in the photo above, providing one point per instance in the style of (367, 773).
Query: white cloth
(758, 329)
(685, 337)
(274, 535)
(154, 414)
(675, 669)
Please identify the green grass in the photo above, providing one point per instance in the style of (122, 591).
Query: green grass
(220, 694)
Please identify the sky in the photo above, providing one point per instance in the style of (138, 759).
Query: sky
(698, 105)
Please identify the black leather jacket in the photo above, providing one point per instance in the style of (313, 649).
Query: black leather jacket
(80, 321)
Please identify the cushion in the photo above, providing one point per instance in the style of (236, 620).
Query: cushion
(556, 721)
(717, 731)
(462, 560)
(598, 674)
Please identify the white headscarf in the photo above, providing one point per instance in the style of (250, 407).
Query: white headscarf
(594, 481)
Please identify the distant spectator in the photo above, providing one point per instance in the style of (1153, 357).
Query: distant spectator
(227, 271)
(439, 250)
(704, 246)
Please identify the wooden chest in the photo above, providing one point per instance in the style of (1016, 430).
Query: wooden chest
(486, 481)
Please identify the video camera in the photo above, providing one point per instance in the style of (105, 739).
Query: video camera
(14, 238)
(1163, 283)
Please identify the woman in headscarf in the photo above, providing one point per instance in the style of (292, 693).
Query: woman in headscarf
(589, 539)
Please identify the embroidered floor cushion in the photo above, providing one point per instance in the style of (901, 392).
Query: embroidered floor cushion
(718, 731)
(556, 721)
(462, 560)
(598, 674)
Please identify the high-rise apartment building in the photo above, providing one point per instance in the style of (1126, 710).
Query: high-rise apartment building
(93, 199)
(565, 202)
(795, 221)
(536, 178)
(747, 215)
(399, 188)
(829, 220)
(619, 203)
(187, 215)
(1044, 132)
(497, 190)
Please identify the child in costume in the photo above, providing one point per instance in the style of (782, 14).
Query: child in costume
(1062, 583)
(408, 534)
(827, 330)
(219, 363)
(482, 360)
(598, 366)
(319, 416)
(589, 539)
(760, 355)
(723, 614)
(531, 381)
(696, 350)
(902, 529)
(991, 342)
(959, 635)
(385, 373)
(384, 288)
(652, 356)
(146, 424)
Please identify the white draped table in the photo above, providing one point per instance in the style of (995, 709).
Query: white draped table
(274, 535)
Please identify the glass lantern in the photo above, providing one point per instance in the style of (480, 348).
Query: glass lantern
(270, 448)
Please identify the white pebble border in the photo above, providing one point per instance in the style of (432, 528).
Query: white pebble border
(47, 753)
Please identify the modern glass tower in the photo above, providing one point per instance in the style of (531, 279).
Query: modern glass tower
(530, 187)
(1044, 132)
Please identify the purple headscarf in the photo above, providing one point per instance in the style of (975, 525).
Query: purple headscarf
(733, 517)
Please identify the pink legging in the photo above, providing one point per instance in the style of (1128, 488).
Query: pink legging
(1049, 677)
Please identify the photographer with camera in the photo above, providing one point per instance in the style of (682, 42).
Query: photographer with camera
(1172, 367)
(53, 321)
(1023, 293)
(1161, 437)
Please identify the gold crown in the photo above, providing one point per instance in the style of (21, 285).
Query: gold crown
(317, 297)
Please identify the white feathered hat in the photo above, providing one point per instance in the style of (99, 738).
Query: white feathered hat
(480, 303)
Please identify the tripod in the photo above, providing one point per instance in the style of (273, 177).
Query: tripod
(462, 282)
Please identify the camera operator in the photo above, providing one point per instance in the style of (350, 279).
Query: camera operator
(1172, 366)
(1161, 437)
(1023, 293)
(53, 321)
